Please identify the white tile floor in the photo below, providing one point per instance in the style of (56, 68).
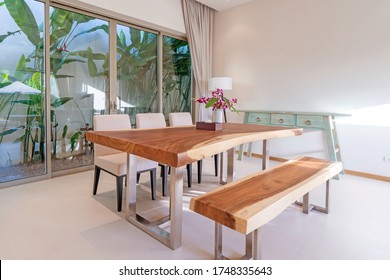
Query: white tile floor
(60, 219)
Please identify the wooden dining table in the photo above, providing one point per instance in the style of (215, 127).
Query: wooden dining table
(176, 147)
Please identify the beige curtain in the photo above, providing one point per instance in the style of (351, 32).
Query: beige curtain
(199, 21)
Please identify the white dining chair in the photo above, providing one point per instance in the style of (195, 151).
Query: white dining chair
(185, 119)
(157, 120)
(154, 120)
(113, 161)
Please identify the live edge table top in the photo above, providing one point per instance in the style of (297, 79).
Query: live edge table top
(178, 146)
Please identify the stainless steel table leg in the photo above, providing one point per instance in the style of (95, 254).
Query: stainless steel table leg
(173, 237)
(222, 180)
(230, 167)
(131, 183)
(176, 206)
(265, 162)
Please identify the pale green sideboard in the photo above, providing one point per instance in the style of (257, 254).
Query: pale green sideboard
(306, 120)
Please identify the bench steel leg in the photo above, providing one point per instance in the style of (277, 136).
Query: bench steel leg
(326, 208)
(218, 242)
(252, 245)
(306, 206)
(256, 255)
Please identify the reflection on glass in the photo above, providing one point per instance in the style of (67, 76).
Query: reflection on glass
(176, 76)
(79, 85)
(137, 71)
(22, 98)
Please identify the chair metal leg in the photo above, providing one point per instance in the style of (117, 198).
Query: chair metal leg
(119, 191)
(96, 179)
(153, 182)
(164, 174)
(200, 168)
(216, 161)
(189, 174)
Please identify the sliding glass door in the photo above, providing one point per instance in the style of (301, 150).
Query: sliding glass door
(79, 84)
(22, 90)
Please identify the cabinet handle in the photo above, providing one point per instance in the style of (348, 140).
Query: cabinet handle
(308, 122)
(258, 119)
(281, 121)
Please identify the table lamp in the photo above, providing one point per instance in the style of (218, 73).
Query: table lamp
(224, 83)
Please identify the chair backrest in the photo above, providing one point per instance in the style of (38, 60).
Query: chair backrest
(150, 120)
(180, 119)
(109, 122)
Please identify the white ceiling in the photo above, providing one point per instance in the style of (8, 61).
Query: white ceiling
(221, 5)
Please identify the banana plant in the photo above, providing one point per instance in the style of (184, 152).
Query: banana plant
(176, 75)
(30, 69)
(136, 66)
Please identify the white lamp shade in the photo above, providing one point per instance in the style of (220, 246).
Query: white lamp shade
(220, 82)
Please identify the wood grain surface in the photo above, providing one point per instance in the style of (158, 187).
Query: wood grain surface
(178, 146)
(247, 204)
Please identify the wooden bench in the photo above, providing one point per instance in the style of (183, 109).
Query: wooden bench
(247, 204)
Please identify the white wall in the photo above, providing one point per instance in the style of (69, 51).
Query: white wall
(166, 13)
(314, 55)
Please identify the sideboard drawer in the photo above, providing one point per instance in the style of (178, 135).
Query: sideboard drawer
(259, 118)
(282, 119)
(310, 121)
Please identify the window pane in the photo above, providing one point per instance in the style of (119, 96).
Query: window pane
(22, 93)
(177, 95)
(79, 60)
(137, 71)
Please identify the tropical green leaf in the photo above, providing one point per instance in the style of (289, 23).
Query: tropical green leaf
(92, 68)
(135, 36)
(74, 138)
(29, 102)
(61, 24)
(211, 102)
(122, 38)
(24, 18)
(1, 4)
(106, 63)
(60, 101)
(62, 76)
(52, 115)
(19, 72)
(80, 18)
(103, 27)
(20, 139)
(3, 37)
(10, 131)
(64, 131)
(87, 53)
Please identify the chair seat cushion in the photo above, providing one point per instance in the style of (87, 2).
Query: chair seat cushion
(116, 163)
